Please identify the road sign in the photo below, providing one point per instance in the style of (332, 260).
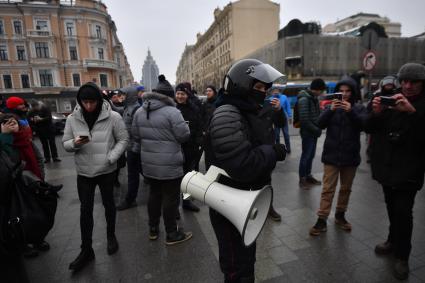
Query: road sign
(369, 60)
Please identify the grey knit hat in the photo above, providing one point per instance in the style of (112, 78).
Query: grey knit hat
(411, 71)
(164, 87)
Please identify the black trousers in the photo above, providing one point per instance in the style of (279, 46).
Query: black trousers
(164, 194)
(49, 147)
(399, 207)
(236, 260)
(86, 189)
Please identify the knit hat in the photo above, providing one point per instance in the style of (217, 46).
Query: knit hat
(182, 87)
(411, 71)
(164, 87)
(318, 84)
(13, 102)
(212, 88)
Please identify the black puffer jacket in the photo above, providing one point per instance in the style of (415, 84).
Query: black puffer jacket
(192, 116)
(398, 146)
(208, 108)
(239, 140)
(342, 142)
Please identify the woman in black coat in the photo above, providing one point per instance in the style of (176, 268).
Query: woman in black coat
(344, 120)
(191, 149)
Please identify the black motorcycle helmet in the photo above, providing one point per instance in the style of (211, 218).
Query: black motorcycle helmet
(242, 76)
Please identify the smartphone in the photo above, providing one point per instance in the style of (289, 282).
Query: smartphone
(332, 96)
(84, 137)
(388, 101)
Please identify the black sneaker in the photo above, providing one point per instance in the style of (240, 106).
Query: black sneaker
(86, 255)
(153, 233)
(177, 237)
(126, 205)
(112, 246)
(313, 180)
(341, 222)
(47, 161)
(319, 227)
(401, 269)
(56, 160)
(273, 215)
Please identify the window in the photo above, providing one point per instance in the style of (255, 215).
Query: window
(41, 25)
(20, 51)
(17, 27)
(70, 29)
(73, 53)
(76, 79)
(98, 31)
(7, 79)
(1, 27)
(42, 49)
(3, 53)
(46, 78)
(100, 53)
(103, 80)
(25, 79)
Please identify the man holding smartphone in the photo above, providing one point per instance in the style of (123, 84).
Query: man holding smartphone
(98, 137)
(398, 159)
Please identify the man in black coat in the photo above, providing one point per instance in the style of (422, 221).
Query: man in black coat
(398, 158)
(240, 140)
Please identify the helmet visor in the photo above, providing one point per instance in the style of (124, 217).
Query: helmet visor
(265, 73)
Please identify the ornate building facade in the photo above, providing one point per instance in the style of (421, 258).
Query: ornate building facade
(150, 73)
(48, 49)
(238, 29)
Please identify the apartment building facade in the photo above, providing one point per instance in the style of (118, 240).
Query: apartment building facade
(48, 49)
(238, 29)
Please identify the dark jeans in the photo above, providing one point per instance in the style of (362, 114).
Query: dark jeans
(399, 207)
(86, 189)
(285, 131)
(49, 146)
(164, 194)
(133, 175)
(307, 155)
(236, 260)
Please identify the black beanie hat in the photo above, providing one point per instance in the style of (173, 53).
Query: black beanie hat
(182, 87)
(318, 84)
(213, 88)
(164, 87)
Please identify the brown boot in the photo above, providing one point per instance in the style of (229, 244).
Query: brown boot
(313, 180)
(401, 269)
(304, 184)
(319, 227)
(384, 248)
(341, 221)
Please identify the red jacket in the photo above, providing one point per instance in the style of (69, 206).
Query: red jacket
(22, 141)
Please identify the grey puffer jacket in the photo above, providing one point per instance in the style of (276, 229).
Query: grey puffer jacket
(159, 130)
(108, 140)
(131, 104)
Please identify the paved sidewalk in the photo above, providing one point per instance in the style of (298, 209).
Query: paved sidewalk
(285, 251)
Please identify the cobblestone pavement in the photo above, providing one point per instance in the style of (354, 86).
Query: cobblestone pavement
(285, 251)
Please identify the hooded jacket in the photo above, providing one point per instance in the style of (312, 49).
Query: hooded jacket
(108, 140)
(131, 104)
(309, 111)
(342, 142)
(159, 130)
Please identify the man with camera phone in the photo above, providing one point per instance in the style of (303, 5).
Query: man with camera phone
(398, 159)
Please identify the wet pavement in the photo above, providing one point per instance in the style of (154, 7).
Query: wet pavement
(285, 250)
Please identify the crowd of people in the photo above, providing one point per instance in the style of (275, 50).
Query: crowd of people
(163, 134)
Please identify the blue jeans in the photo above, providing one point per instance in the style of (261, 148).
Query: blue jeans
(285, 131)
(133, 175)
(307, 155)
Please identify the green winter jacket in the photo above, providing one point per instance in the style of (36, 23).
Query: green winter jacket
(309, 111)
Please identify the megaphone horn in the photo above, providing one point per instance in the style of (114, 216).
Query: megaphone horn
(247, 210)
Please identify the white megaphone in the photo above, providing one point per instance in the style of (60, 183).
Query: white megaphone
(247, 210)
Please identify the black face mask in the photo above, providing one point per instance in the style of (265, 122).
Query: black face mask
(258, 96)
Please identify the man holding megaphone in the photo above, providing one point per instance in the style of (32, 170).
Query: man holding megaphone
(240, 140)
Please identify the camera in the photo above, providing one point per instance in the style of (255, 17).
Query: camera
(332, 96)
(388, 101)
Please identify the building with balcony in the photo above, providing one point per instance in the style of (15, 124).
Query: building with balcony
(150, 73)
(392, 29)
(238, 29)
(48, 49)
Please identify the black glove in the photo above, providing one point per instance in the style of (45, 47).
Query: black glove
(280, 150)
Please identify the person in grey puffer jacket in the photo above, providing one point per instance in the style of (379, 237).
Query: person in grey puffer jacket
(98, 137)
(159, 130)
(131, 104)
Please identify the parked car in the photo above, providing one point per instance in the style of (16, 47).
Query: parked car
(58, 120)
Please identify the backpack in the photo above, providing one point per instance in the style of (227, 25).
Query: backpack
(296, 118)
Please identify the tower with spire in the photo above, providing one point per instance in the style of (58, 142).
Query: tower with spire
(150, 72)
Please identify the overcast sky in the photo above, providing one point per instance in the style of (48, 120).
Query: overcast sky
(165, 26)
